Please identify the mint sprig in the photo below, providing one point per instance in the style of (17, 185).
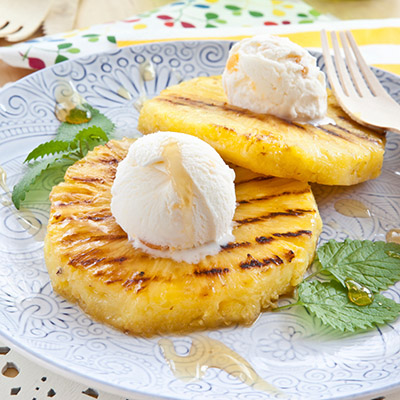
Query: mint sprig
(56, 154)
(32, 174)
(373, 265)
(47, 148)
(329, 302)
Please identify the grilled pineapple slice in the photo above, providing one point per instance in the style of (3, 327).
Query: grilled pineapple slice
(90, 260)
(343, 153)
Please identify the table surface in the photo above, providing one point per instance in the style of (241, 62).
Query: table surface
(42, 382)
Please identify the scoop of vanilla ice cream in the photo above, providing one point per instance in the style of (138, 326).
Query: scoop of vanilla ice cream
(175, 197)
(271, 75)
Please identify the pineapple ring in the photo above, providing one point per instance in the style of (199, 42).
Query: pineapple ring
(338, 153)
(91, 262)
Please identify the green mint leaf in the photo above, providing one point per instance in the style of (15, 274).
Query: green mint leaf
(329, 302)
(67, 132)
(372, 264)
(87, 139)
(67, 153)
(45, 149)
(93, 133)
(34, 171)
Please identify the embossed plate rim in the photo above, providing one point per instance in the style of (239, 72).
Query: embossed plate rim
(83, 375)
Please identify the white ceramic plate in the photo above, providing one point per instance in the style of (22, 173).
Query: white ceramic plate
(287, 349)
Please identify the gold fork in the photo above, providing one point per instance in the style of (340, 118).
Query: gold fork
(356, 88)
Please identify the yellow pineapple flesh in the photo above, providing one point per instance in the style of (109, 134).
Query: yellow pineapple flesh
(91, 262)
(339, 153)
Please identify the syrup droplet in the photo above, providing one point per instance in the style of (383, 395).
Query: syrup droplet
(393, 236)
(358, 294)
(4, 201)
(124, 93)
(177, 74)
(147, 71)
(138, 104)
(207, 353)
(352, 208)
(3, 180)
(70, 105)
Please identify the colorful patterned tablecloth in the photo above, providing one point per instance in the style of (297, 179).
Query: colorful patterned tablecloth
(211, 19)
(180, 17)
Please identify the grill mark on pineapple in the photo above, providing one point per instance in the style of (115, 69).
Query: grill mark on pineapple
(234, 245)
(212, 271)
(110, 281)
(138, 280)
(358, 136)
(72, 203)
(290, 256)
(287, 213)
(264, 239)
(89, 259)
(269, 239)
(252, 262)
(78, 237)
(91, 217)
(109, 161)
(333, 133)
(293, 234)
(352, 137)
(89, 179)
(186, 101)
(271, 196)
(181, 100)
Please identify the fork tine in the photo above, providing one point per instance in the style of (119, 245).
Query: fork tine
(27, 30)
(330, 69)
(3, 22)
(356, 76)
(373, 82)
(344, 76)
(10, 28)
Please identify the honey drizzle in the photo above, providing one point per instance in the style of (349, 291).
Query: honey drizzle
(33, 226)
(393, 236)
(352, 208)
(70, 105)
(182, 184)
(3, 185)
(207, 353)
(124, 93)
(147, 73)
